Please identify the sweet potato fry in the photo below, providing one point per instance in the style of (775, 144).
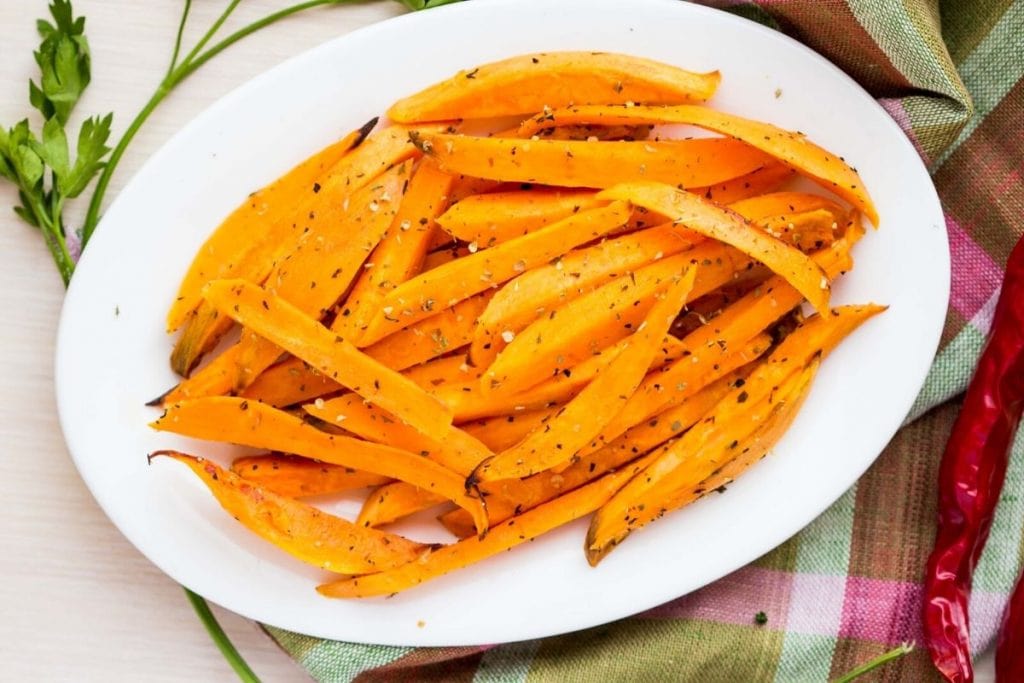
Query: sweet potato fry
(401, 251)
(787, 403)
(395, 501)
(455, 450)
(292, 381)
(247, 224)
(248, 423)
(448, 284)
(582, 418)
(540, 290)
(444, 331)
(294, 477)
(575, 163)
(505, 536)
(289, 382)
(301, 530)
(286, 326)
(768, 178)
(727, 226)
(705, 448)
(320, 210)
(324, 266)
(504, 431)
(440, 371)
(601, 318)
(528, 83)
(792, 149)
(490, 219)
(545, 486)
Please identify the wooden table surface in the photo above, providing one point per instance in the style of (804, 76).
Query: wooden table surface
(79, 602)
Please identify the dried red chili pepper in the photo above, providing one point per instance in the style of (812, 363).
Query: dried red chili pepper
(1010, 650)
(971, 477)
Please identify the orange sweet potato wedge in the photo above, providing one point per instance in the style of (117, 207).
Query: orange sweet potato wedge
(248, 423)
(395, 501)
(452, 282)
(292, 476)
(301, 530)
(288, 327)
(716, 222)
(702, 450)
(489, 219)
(528, 83)
(401, 251)
(320, 210)
(595, 164)
(542, 289)
(582, 418)
(218, 256)
(791, 148)
(505, 536)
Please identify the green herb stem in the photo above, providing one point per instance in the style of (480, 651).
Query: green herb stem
(221, 639)
(177, 38)
(878, 661)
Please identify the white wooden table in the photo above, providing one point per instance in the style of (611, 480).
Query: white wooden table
(78, 601)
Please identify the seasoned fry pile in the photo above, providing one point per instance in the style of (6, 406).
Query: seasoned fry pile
(574, 315)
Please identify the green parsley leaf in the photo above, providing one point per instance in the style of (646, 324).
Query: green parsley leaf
(64, 63)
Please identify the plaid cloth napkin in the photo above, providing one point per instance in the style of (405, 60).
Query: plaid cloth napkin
(847, 587)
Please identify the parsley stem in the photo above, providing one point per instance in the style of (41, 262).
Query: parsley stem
(189, 66)
(220, 638)
(210, 33)
(177, 38)
(878, 661)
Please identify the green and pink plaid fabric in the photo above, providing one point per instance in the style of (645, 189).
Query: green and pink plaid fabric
(848, 587)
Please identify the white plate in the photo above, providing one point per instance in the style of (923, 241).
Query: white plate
(112, 351)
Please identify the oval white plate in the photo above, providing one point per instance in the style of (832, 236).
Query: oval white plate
(112, 351)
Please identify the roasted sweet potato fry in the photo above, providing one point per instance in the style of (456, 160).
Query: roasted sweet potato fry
(289, 382)
(218, 256)
(575, 163)
(292, 476)
(529, 83)
(448, 329)
(727, 226)
(702, 450)
(601, 318)
(452, 282)
(768, 178)
(505, 536)
(324, 266)
(794, 149)
(395, 501)
(286, 326)
(504, 431)
(582, 418)
(248, 423)
(489, 219)
(455, 450)
(319, 210)
(542, 289)
(545, 486)
(786, 405)
(401, 251)
(440, 371)
(301, 530)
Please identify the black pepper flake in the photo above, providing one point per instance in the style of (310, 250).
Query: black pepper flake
(316, 187)
(742, 398)
(472, 74)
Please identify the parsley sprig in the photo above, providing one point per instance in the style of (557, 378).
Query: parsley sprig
(40, 166)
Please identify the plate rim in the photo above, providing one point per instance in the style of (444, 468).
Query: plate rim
(62, 361)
